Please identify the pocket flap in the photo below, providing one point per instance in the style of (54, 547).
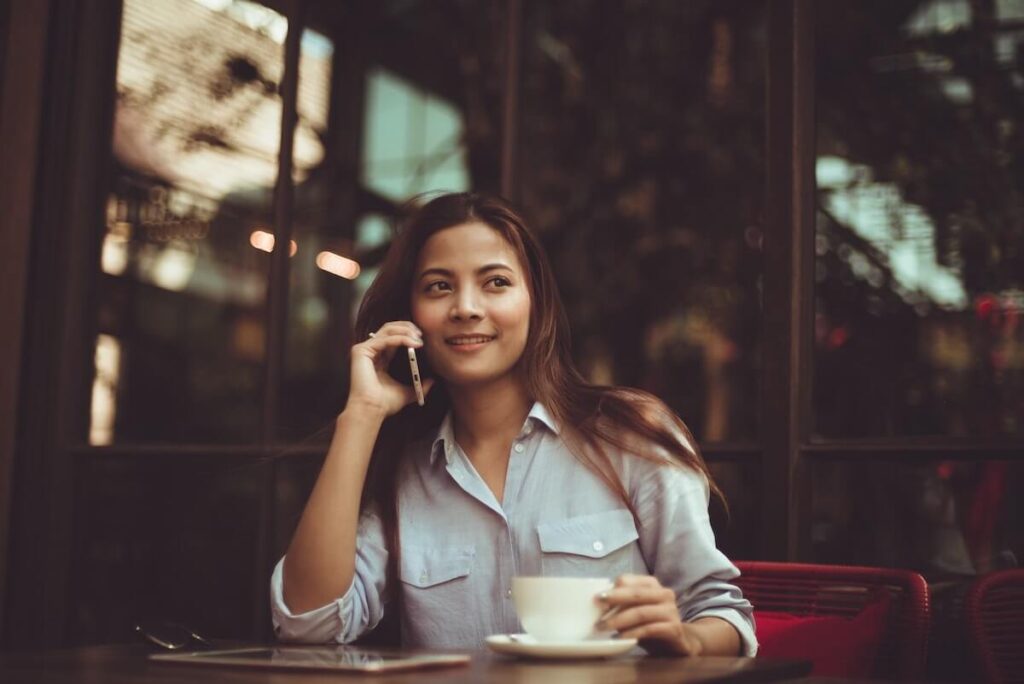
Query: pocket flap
(594, 535)
(429, 566)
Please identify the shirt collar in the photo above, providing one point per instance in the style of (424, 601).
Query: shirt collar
(444, 442)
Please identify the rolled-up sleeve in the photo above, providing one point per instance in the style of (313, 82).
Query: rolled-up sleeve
(345, 619)
(678, 545)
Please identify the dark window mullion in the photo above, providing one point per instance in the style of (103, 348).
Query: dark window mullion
(788, 282)
(75, 125)
(912, 452)
(510, 99)
(284, 196)
(277, 313)
(713, 453)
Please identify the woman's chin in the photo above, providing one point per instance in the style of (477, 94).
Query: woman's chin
(472, 380)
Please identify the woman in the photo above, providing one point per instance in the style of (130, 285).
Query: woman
(515, 466)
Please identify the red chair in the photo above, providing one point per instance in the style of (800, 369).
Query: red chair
(995, 623)
(813, 591)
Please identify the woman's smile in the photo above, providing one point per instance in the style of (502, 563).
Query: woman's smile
(468, 343)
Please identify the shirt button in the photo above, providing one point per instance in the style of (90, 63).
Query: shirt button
(508, 594)
(520, 448)
(598, 546)
(423, 577)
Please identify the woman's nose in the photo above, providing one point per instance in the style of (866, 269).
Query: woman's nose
(466, 306)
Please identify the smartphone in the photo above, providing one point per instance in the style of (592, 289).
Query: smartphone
(414, 368)
(411, 369)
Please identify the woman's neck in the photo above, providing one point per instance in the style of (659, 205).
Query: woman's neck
(489, 414)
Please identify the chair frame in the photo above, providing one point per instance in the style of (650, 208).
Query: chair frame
(994, 611)
(844, 590)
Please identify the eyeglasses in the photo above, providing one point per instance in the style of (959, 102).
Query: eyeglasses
(171, 636)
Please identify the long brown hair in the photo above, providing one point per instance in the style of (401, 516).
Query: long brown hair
(592, 418)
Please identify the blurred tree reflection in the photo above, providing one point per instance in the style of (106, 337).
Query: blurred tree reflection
(919, 297)
(642, 162)
(921, 230)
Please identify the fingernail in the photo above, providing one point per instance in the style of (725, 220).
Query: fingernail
(603, 595)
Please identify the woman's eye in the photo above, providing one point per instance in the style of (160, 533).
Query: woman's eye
(437, 286)
(499, 281)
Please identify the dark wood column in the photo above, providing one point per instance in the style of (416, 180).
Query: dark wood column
(510, 103)
(788, 273)
(21, 99)
(75, 124)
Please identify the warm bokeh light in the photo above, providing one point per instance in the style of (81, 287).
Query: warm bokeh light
(172, 266)
(338, 265)
(104, 390)
(264, 241)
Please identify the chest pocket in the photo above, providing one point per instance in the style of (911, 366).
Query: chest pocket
(428, 567)
(594, 545)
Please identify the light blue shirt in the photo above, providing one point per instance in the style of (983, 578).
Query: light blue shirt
(461, 547)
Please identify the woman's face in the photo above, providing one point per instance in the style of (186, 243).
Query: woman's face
(471, 299)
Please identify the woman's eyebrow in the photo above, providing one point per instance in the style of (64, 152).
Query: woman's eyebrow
(493, 267)
(447, 273)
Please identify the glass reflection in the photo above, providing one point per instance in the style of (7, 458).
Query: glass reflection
(414, 110)
(920, 266)
(182, 289)
(104, 390)
(141, 526)
(413, 141)
(736, 527)
(946, 519)
(642, 163)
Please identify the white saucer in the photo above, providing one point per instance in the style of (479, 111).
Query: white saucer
(525, 645)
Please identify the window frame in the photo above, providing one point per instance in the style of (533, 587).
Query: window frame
(79, 89)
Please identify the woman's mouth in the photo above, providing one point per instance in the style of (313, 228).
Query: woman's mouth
(468, 342)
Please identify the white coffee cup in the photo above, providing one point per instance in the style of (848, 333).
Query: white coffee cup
(558, 608)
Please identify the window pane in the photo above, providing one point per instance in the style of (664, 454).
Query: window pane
(182, 280)
(943, 518)
(416, 109)
(642, 162)
(173, 538)
(735, 524)
(920, 250)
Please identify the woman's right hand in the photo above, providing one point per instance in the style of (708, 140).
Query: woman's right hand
(372, 387)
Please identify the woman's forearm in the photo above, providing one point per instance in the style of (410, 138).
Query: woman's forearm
(717, 636)
(320, 562)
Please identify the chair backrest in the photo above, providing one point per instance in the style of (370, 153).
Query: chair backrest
(843, 590)
(995, 624)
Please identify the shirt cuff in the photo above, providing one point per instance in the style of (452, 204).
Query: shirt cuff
(320, 625)
(742, 625)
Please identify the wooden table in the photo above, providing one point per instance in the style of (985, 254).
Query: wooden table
(128, 663)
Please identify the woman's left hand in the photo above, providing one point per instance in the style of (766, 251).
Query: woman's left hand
(647, 611)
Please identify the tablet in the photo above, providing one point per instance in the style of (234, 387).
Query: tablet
(333, 658)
